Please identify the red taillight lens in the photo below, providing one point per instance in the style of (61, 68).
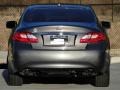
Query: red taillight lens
(93, 37)
(25, 37)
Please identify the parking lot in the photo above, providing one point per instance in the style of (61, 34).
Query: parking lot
(61, 83)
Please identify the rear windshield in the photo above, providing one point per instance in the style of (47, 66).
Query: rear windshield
(59, 15)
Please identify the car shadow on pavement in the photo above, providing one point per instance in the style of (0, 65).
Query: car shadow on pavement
(55, 80)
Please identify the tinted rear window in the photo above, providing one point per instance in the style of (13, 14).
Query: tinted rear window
(59, 15)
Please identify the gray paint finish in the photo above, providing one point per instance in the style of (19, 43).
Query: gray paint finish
(57, 84)
(72, 33)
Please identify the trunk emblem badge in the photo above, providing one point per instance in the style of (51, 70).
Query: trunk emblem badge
(35, 30)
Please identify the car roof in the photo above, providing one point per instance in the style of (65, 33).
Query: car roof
(72, 6)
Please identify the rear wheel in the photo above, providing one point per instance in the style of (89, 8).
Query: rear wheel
(102, 80)
(14, 79)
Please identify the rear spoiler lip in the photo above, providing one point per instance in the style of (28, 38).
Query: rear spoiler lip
(24, 26)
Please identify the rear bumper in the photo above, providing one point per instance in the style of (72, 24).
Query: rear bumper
(36, 59)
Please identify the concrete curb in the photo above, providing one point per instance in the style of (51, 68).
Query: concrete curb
(3, 57)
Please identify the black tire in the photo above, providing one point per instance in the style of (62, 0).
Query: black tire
(102, 80)
(14, 80)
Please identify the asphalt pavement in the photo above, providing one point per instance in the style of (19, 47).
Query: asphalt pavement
(63, 83)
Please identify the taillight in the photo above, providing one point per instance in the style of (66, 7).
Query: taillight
(93, 37)
(24, 37)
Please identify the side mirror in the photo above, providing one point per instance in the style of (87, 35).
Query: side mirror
(106, 25)
(11, 24)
